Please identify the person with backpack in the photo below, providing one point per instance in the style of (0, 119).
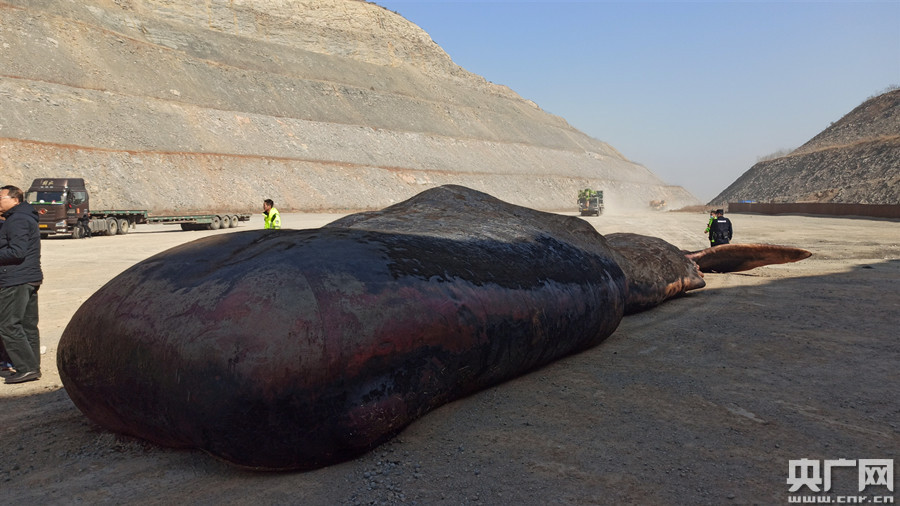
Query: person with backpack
(720, 229)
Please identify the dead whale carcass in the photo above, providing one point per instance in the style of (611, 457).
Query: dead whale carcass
(298, 349)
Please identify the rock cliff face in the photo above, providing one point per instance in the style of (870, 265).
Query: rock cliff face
(855, 160)
(176, 105)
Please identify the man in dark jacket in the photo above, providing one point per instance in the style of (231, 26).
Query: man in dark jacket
(20, 278)
(6, 369)
(720, 229)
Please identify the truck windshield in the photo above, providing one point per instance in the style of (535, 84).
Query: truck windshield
(45, 197)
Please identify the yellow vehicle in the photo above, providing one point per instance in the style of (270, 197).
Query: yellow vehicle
(590, 202)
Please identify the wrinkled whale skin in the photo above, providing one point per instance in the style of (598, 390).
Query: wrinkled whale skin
(655, 270)
(299, 349)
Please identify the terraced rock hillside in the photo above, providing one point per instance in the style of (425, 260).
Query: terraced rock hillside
(177, 105)
(855, 160)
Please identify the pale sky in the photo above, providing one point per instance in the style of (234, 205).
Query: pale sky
(695, 91)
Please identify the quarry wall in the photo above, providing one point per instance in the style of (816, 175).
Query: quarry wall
(179, 106)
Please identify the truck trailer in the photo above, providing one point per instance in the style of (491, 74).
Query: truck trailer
(63, 204)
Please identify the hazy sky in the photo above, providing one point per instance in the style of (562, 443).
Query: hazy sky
(695, 91)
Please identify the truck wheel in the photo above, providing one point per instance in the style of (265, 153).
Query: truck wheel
(226, 221)
(214, 223)
(123, 226)
(112, 226)
(234, 221)
(77, 233)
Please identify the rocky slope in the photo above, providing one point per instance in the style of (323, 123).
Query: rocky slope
(855, 160)
(175, 105)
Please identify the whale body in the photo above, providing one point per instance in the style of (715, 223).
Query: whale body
(299, 349)
(296, 349)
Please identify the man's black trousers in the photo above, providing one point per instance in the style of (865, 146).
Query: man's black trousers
(19, 326)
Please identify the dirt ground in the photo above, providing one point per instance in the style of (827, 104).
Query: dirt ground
(703, 400)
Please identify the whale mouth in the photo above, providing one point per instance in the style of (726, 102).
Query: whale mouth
(743, 257)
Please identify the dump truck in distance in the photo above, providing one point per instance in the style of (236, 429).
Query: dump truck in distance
(590, 202)
(62, 202)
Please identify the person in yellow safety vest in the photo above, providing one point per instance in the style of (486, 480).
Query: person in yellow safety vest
(273, 218)
(712, 217)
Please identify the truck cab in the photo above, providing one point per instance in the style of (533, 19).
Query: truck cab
(59, 203)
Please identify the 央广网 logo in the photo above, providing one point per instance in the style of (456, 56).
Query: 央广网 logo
(815, 475)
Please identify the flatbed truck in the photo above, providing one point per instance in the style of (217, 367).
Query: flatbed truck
(62, 202)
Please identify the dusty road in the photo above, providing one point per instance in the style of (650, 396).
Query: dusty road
(703, 400)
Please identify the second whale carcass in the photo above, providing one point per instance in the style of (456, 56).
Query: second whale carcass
(298, 349)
